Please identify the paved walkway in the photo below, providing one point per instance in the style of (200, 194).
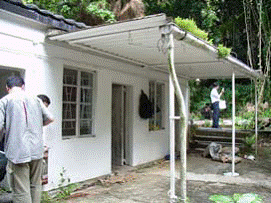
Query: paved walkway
(204, 178)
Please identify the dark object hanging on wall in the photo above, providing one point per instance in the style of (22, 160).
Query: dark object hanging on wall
(3, 160)
(145, 106)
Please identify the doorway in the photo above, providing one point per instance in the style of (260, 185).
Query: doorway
(121, 129)
(6, 72)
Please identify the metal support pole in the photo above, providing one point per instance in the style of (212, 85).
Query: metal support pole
(233, 129)
(256, 118)
(167, 38)
(233, 123)
(172, 140)
(183, 124)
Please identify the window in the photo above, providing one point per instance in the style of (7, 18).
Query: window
(156, 97)
(78, 114)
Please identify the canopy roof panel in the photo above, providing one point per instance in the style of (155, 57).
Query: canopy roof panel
(139, 41)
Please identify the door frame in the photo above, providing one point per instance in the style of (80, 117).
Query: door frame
(128, 116)
(9, 71)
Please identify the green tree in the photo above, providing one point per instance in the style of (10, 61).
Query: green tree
(91, 12)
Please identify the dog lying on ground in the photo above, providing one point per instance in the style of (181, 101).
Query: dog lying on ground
(219, 153)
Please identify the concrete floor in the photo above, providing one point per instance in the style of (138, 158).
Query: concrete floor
(204, 178)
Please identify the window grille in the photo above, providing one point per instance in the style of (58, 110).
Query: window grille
(156, 95)
(78, 99)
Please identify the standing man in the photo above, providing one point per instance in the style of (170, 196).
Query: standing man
(23, 117)
(215, 98)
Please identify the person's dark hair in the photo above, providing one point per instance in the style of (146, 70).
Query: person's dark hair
(15, 81)
(44, 98)
(215, 84)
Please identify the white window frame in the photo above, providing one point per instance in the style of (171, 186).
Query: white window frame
(154, 123)
(78, 102)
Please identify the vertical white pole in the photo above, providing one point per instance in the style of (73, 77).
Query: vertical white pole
(172, 138)
(183, 123)
(233, 129)
(233, 123)
(256, 117)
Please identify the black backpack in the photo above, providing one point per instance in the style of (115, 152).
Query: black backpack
(3, 160)
(146, 109)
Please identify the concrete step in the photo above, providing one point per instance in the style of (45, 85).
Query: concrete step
(217, 138)
(222, 132)
(6, 198)
(206, 143)
(203, 136)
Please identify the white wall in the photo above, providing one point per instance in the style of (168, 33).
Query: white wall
(83, 158)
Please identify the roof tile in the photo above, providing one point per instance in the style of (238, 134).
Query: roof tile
(44, 16)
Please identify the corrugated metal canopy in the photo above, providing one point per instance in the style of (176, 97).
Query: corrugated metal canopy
(139, 42)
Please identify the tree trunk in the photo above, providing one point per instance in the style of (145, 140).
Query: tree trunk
(183, 119)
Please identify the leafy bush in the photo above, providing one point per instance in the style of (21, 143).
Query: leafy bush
(237, 198)
(207, 123)
(46, 198)
(245, 120)
(266, 113)
(244, 92)
(91, 12)
(101, 10)
(250, 140)
(223, 51)
(190, 26)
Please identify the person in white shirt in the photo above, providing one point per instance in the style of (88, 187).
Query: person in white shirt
(22, 116)
(215, 98)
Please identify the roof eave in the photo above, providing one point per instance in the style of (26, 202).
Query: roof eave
(180, 34)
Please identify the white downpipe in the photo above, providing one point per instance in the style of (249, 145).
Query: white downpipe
(256, 118)
(172, 139)
(233, 123)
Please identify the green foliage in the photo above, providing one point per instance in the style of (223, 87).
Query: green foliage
(245, 120)
(237, 198)
(250, 140)
(221, 199)
(65, 187)
(190, 26)
(209, 16)
(223, 52)
(46, 198)
(51, 5)
(154, 6)
(199, 96)
(101, 10)
(3, 190)
(244, 92)
(64, 191)
(207, 123)
(81, 10)
(266, 113)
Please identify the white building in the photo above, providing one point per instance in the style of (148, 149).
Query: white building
(94, 78)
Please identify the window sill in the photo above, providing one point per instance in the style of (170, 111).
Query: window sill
(158, 130)
(79, 137)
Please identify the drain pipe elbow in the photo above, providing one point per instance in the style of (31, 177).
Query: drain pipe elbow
(178, 34)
